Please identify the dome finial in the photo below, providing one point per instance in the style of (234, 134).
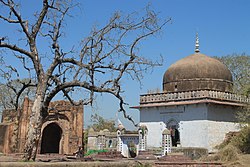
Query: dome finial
(197, 45)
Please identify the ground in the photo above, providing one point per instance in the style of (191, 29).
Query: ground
(244, 161)
(15, 161)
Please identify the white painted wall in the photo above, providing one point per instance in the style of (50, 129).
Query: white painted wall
(193, 133)
(207, 134)
(184, 112)
(154, 137)
(217, 131)
(200, 125)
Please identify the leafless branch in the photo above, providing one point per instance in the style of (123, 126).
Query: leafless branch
(15, 48)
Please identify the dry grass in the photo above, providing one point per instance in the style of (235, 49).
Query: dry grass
(230, 157)
(228, 154)
(244, 161)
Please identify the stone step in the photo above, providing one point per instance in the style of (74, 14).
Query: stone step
(175, 158)
(143, 155)
(107, 155)
(51, 157)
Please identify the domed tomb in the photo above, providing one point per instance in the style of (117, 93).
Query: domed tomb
(197, 72)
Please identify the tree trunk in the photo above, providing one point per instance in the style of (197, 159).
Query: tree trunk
(34, 131)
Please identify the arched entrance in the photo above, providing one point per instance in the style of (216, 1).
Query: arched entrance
(51, 137)
(173, 125)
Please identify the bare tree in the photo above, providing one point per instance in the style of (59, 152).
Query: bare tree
(105, 57)
(13, 93)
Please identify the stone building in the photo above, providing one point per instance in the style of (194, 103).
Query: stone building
(128, 143)
(104, 139)
(197, 104)
(62, 131)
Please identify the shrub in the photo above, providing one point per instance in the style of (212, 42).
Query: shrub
(242, 140)
(95, 152)
(228, 153)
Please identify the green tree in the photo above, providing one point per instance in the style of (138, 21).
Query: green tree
(97, 65)
(243, 115)
(239, 65)
(99, 123)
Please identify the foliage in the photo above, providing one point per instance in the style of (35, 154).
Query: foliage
(85, 140)
(242, 140)
(228, 153)
(239, 65)
(95, 152)
(140, 164)
(243, 115)
(99, 123)
(132, 149)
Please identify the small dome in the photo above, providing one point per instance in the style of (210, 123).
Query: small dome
(143, 126)
(101, 133)
(197, 72)
(166, 132)
(105, 130)
(120, 127)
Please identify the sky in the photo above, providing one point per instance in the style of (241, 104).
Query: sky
(223, 27)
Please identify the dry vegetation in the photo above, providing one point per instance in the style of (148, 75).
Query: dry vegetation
(234, 152)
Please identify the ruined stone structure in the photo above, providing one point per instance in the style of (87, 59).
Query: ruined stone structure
(62, 131)
(103, 139)
(197, 103)
(128, 143)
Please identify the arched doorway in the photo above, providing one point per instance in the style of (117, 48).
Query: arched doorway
(51, 137)
(173, 126)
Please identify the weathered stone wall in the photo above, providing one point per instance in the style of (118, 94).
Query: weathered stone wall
(198, 84)
(6, 142)
(3, 135)
(8, 115)
(100, 140)
(70, 120)
(68, 117)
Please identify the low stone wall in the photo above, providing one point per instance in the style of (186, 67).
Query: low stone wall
(192, 152)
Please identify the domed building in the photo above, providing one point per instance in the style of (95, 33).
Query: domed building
(197, 72)
(197, 104)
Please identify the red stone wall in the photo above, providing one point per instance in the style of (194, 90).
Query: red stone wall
(69, 118)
